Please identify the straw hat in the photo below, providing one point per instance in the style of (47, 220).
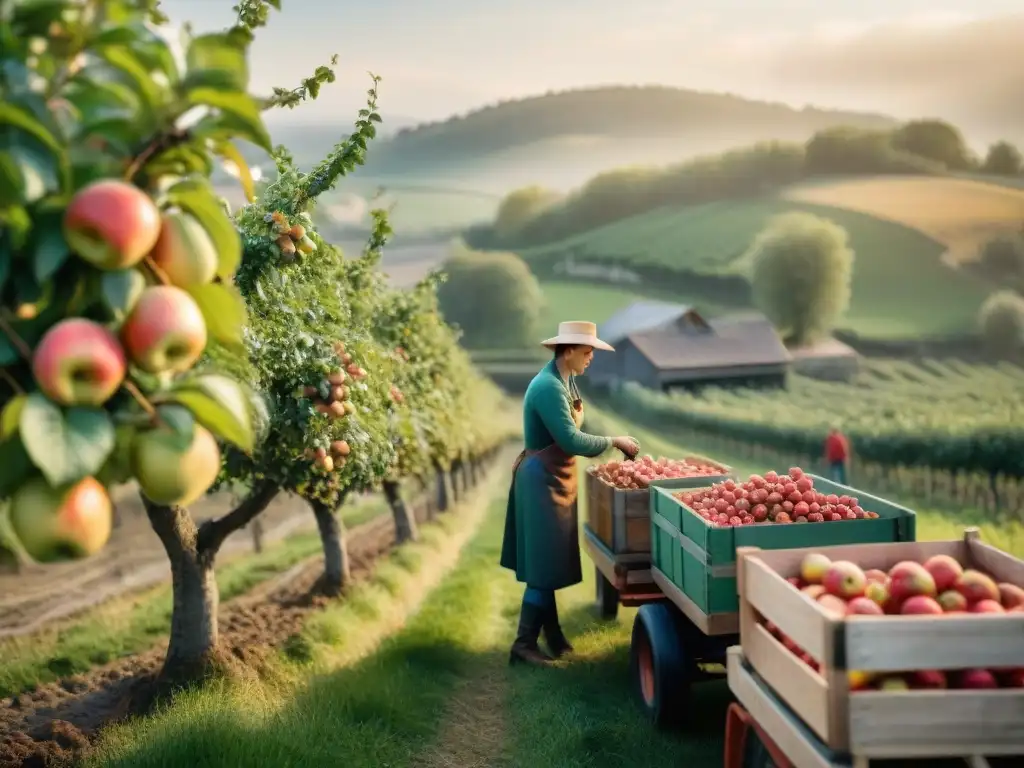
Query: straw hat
(578, 332)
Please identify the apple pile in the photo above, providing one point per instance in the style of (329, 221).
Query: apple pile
(771, 498)
(634, 474)
(292, 240)
(82, 363)
(334, 405)
(938, 587)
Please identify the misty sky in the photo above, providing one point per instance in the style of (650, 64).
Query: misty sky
(903, 57)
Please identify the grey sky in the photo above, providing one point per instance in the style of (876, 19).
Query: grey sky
(905, 57)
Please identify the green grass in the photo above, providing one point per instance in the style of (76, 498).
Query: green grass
(128, 625)
(900, 288)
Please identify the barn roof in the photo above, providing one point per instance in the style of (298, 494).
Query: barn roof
(640, 316)
(737, 341)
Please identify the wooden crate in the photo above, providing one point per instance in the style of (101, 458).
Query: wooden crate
(621, 519)
(700, 558)
(886, 724)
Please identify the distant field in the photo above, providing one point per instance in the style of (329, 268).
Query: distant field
(901, 287)
(962, 214)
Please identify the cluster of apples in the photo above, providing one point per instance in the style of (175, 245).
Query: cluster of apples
(771, 498)
(292, 239)
(938, 587)
(335, 406)
(636, 474)
(113, 225)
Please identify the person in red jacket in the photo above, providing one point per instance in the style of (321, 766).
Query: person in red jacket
(837, 455)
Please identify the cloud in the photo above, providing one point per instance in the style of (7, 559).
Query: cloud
(969, 71)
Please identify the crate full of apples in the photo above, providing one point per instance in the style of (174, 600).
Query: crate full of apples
(618, 495)
(912, 649)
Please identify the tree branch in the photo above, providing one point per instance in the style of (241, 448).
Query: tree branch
(161, 143)
(212, 533)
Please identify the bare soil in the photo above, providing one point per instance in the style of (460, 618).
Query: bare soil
(54, 724)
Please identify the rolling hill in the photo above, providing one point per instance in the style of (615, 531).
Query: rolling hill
(560, 139)
(902, 286)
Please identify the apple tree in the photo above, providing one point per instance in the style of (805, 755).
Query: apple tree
(116, 267)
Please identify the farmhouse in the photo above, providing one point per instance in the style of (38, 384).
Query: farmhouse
(663, 346)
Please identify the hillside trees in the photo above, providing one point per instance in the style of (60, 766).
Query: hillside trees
(800, 271)
(493, 298)
(1003, 159)
(934, 140)
(1001, 322)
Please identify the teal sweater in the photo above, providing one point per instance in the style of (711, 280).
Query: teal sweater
(547, 417)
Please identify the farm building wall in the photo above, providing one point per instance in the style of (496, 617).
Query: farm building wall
(753, 376)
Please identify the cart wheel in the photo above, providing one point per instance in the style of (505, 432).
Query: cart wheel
(607, 597)
(658, 666)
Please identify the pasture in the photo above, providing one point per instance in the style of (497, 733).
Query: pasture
(901, 287)
(961, 214)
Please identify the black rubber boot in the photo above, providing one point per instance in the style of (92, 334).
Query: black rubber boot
(553, 635)
(525, 648)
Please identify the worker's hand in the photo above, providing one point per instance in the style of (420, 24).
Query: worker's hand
(628, 445)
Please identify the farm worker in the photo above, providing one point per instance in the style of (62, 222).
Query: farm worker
(837, 455)
(541, 541)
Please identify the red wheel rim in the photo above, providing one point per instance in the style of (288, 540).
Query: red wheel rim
(645, 668)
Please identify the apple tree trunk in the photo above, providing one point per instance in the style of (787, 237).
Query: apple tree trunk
(405, 520)
(337, 572)
(443, 488)
(192, 551)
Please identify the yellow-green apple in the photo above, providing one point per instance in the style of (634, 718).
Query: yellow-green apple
(111, 224)
(167, 473)
(864, 606)
(165, 332)
(845, 579)
(952, 601)
(860, 680)
(1010, 595)
(975, 586)
(945, 570)
(184, 251)
(917, 605)
(79, 362)
(62, 523)
(878, 592)
(894, 684)
(908, 578)
(813, 567)
(305, 245)
(987, 606)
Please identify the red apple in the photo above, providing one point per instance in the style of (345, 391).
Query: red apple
(169, 474)
(1012, 678)
(952, 601)
(987, 606)
(920, 604)
(813, 591)
(61, 523)
(165, 332)
(864, 606)
(874, 574)
(845, 579)
(184, 251)
(908, 578)
(813, 567)
(79, 362)
(975, 586)
(111, 224)
(977, 679)
(945, 570)
(928, 678)
(833, 605)
(1010, 595)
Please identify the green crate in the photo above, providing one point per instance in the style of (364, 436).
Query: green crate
(665, 551)
(708, 553)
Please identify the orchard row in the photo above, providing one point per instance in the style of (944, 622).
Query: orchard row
(151, 335)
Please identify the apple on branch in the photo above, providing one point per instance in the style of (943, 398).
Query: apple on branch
(167, 473)
(64, 523)
(79, 362)
(184, 251)
(111, 224)
(165, 332)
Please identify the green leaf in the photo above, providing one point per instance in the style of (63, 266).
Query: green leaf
(219, 54)
(12, 183)
(138, 75)
(197, 197)
(182, 425)
(118, 467)
(120, 35)
(230, 152)
(65, 446)
(15, 466)
(18, 118)
(50, 254)
(224, 311)
(11, 416)
(120, 290)
(218, 403)
(246, 120)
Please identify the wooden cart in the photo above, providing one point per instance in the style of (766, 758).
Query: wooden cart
(813, 718)
(617, 537)
(682, 637)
